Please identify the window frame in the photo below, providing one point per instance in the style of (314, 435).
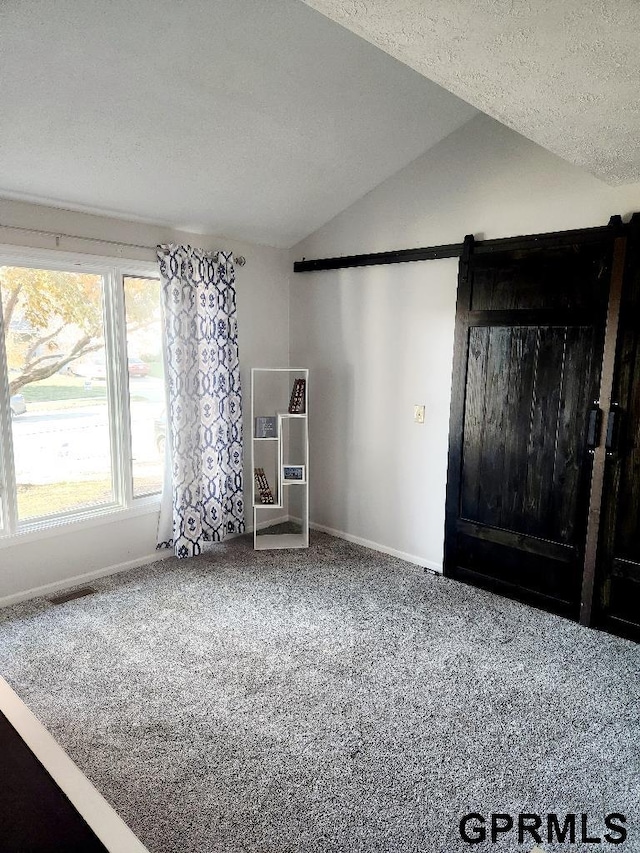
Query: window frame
(113, 272)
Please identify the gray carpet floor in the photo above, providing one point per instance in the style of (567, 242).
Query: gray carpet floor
(333, 699)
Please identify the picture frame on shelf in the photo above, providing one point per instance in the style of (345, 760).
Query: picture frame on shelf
(293, 474)
(266, 427)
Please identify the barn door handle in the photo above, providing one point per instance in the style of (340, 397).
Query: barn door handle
(613, 430)
(594, 427)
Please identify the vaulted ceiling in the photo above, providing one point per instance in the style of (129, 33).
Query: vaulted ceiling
(564, 73)
(263, 120)
(251, 119)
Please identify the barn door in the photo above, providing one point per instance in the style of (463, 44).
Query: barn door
(530, 331)
(617, 598)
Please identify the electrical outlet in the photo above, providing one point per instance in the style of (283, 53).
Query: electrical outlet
(418, 414)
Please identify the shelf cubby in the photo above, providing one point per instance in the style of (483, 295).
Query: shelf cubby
(285, 523)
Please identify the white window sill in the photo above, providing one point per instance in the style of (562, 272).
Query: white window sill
(70, 524)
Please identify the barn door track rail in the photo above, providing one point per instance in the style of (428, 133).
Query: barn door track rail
(454, 250)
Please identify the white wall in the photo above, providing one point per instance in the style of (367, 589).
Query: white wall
(379, 339)
(55, 557)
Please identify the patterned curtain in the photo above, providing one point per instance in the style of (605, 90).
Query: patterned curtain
(203, 502)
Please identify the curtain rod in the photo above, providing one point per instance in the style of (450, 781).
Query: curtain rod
(239, 260)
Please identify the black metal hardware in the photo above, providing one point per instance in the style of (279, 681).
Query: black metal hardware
(613, 430)
(594, 426)
(454, 250)
(399, 256)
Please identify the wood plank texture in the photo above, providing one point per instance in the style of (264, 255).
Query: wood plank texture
(542, 547)
(599, 453)
(526, 372)
(617, 602)
(528, 391)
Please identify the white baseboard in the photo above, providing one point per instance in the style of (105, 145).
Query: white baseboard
(431, 565)
(86, 577)
(78, 580)
(163, 554)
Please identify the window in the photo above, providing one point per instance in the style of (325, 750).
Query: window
(81, 388)
(145, 366)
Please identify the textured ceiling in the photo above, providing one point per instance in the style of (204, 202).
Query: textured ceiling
(564, 73)
(252, 119)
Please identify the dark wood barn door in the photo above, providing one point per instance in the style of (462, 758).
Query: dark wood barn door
(530, 332)
(617, 598)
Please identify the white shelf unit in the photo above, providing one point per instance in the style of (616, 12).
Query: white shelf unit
(270, 395)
